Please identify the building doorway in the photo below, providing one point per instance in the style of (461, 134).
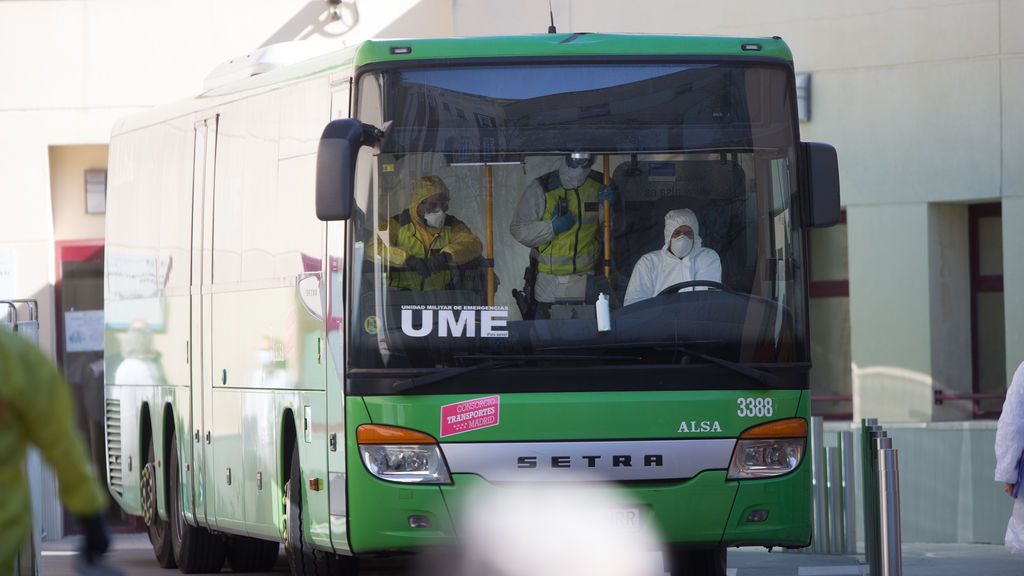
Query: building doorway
(79, 294)
(988, 316)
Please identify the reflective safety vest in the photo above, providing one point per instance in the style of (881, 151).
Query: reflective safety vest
(36, 407)
(409, 239)
(574, 251)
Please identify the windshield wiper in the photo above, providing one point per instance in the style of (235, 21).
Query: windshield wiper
(446, 373)
(496, 361)
(750, 372)
(761, 376)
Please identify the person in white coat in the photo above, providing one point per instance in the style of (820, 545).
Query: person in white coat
(1009, 444)
(681, 259)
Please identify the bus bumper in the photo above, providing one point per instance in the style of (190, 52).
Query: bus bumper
(704, 511)
(787, 501)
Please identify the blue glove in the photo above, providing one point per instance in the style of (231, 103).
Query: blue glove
(562, 222)
(608, 193)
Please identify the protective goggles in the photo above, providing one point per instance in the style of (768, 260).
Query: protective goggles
(579, 160)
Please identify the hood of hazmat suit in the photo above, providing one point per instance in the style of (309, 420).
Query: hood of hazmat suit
(409, 235)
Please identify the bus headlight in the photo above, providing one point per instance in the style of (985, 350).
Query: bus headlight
(768, 450)
(401, 455)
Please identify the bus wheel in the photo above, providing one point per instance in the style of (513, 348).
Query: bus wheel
(303, 560)
(698, 562)
(196, 550)
(159, 529)
(251, 554)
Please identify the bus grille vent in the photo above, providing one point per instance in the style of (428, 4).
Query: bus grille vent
(114, 470)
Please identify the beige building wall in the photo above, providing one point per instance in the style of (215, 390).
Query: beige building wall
(71, 68)
(1012, 109)
(67, 182)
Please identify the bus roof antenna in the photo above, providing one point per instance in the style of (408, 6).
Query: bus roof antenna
(551, 29)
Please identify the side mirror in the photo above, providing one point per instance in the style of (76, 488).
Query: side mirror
(821, 173)
(336, 169)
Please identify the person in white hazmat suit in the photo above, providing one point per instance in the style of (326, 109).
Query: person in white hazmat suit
(681, 259)
(1009, 444)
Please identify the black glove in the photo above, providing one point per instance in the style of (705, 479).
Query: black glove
(439, 262)
(97, 540)
(418, 265)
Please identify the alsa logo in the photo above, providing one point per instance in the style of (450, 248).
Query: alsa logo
(455, 321)
(692, 426)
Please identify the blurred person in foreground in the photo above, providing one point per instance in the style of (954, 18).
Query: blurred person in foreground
(550, 529)
(1009, 446)
(35, 408)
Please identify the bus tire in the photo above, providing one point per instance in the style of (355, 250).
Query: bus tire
(247, 554)
(196, 549)
(158, 528)
(303, 559)
(698, 562)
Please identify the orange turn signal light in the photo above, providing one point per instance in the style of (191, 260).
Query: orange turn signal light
(380, 434)
(788, 428)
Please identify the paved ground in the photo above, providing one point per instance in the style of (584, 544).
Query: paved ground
(133, 555)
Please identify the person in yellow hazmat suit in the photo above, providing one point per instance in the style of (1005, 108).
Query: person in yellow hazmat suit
(35, 408)
(427, 241)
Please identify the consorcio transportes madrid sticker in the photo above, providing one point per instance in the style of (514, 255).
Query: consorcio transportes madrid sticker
(470, 415)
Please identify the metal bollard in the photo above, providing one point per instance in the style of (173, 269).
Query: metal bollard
(819, 539)
(891, 557)
(846, 456)
(865, 472)
(871, 515)
(876, 562)
(835, 501)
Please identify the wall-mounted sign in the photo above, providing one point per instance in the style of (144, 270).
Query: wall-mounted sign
(83, 331)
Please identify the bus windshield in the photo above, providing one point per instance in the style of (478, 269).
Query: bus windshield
(505, 203)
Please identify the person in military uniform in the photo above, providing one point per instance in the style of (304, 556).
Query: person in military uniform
(559, 217)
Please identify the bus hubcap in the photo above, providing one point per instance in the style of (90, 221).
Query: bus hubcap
(149, 494)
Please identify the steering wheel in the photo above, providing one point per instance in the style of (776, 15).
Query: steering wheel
(692, 283)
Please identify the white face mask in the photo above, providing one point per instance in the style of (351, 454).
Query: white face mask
(573, 177)
(435, 219)
(681, 246)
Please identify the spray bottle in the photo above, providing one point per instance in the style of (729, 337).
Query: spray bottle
(604, 314)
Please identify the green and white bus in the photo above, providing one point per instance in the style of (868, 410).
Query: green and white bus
(270, 380)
